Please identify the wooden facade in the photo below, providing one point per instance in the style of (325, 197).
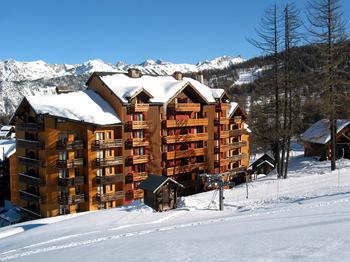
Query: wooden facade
(67, 166)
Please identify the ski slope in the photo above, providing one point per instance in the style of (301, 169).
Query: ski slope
(303, 218)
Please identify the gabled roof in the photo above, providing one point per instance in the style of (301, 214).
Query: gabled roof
(86, 106)
(233, 108)
(153, 183)
(319, 132)
(7, 148)
(265, 158)
(161, 88)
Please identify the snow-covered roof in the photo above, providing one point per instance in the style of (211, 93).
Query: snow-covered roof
(231, 108)
(6, 128)
(7, 148)
(161, 88)
(246, 126)
(86, 106)
(217, 92)
(319, 132)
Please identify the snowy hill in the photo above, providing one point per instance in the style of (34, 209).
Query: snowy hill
(18, 79)
(303, 218)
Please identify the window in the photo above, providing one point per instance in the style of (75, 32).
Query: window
(63, 137)
(62, 173)
(109, 135)
(100, 135)
(100, 154)
(62, 155)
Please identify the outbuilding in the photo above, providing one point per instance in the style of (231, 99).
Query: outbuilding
(263, 165)
(160, 192)
(317, 139)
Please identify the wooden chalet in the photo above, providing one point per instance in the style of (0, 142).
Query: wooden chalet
(317, 140)
(91, 149)
(160, 192)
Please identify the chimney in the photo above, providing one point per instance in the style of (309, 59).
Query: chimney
(134, 73)
(200, 78)
(177, 75)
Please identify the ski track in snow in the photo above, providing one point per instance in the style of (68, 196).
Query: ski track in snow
(21, 253)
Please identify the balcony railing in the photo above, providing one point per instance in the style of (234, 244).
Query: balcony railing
(185, 169)
(29, 127)
(238, 132)
(238, 157)
(27, 161)
(185, 138)
(71, 200)
(110, 161)
(71, 181)
(111, 143)
(114, 196)
(30, 180)
(238, 169)
(221, 121)
(191, 152)
(70, 163)
(73, 145)
(111, 179)
(27, 196)
(239, 144)
(221, 162)
(29, 144)
(137, 159)
(139, 176)
(135, 142)
(139, 124)
(140, 107)
(186, 122)
(186, 107)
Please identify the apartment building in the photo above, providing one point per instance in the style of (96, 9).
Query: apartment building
(90, 150)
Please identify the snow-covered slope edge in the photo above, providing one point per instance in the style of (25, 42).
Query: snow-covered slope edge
(304, 218)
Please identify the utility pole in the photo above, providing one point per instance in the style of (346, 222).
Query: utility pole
(217, 180)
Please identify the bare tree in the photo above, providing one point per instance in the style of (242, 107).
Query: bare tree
(327, 29)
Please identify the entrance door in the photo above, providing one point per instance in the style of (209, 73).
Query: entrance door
(165, 194)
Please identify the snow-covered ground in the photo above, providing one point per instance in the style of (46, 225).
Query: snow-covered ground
(303, 218)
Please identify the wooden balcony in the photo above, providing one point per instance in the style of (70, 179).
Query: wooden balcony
(139, 176)
(185, 169)
(27, 161)
(135, 125)
(29, 144)
(137, 159)
(237, 119)
(71, 181)
(186, 107)
(111, 161)
(73, 145)
(114, 196)
(186, 122)
(192, 152)
(185, 138)
(221, 149)
(221, 107)
(27, 196)
(110, 179)
(222, 162)
(238, 157)
(221, 121)
(239, 144)
(70, 163)
(29, 127)
(238, 132)
(111, 143)
(138, 193)
(238, 169)
(71, 200)
(30, 180)
(135, 142)
(140, 107)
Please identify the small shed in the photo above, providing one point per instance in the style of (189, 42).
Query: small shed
(317, 139)
(160, 192)
(264, 164)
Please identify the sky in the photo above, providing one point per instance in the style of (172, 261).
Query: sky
(181, 31)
